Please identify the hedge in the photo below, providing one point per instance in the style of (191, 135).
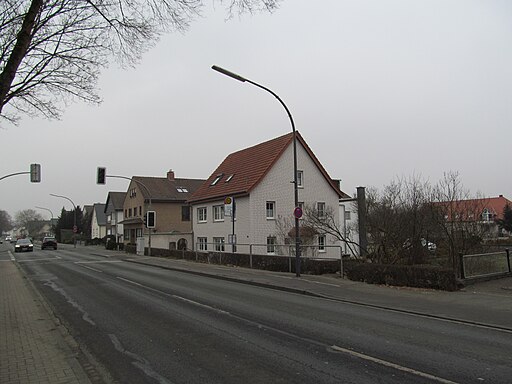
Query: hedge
(419, 276)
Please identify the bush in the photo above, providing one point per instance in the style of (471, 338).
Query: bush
(419, 276)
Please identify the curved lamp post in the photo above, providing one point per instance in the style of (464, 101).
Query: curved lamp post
(51, 213)
(74, 215)
(295, 182)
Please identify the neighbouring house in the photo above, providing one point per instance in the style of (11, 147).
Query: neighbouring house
(98, 222)
(114, 213)
(483, 212)
(167, 197)
(259, 180)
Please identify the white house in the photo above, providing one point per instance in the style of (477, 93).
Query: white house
(98, 222)
(115, 214)
(260, 181)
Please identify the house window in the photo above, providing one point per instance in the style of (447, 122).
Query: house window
(218, 213)
(300, 179)
(487, 215)
(301, 206)
(229, 178)
(217, 179)
(185, 213)
(140, 210)
(182, 189)
(139, 232)
(109, 218)
(271, 209)
(348, 215)
(129, 212)
(321, 243)
(201, 215)
(202, 243)
(320, 209)
(218, 244)
(125, 213)
(271, 244)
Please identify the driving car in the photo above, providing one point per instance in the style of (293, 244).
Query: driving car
(49, 242)
(23, 245)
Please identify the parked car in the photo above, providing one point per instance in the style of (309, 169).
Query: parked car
(49, 242)
(24, 245)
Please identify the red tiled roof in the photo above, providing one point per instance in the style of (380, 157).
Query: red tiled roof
(473, 208)
(248, 167)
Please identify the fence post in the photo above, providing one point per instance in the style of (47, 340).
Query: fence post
(461, 260)
(508, 259)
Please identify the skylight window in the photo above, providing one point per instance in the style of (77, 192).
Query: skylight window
(217, 179)
(229, 178)
(182, 189)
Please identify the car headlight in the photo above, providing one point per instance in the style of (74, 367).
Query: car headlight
(31, 245)
(16, 246)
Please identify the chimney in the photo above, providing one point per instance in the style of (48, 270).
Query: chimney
(170, 175)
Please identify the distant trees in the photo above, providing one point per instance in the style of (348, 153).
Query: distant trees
(506, 222)
(67, 220)
(5, 222)
(51, 51)
(411, 219)
(29, 221)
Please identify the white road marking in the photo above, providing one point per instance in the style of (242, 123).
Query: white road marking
(91, 268)
(98, 261)
(391, 365)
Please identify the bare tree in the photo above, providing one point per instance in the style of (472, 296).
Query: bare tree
(399, 221)
(28, 221)
(458, 216)
(327, 222)
(5, 222)
(51, 51)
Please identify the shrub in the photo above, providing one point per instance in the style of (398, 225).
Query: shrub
(420, 276)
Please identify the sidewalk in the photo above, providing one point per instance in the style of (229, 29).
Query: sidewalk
(33, 347)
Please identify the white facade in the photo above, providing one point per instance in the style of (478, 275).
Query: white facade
(252, 226)
(349, 227)
(97, 231)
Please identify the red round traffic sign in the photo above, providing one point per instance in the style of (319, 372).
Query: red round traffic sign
(297, 212)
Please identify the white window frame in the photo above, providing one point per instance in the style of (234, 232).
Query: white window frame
(202, 214)
(300, 179)
(271, 245)
(218, 244)
(271, 210)
(218, 213)
(320, 211)
(202, 243)
(321, 243)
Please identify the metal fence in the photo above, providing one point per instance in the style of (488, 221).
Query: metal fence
(485, 264)
(308, 252)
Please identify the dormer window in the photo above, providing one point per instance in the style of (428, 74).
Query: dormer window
(229, 178)
(217, 179)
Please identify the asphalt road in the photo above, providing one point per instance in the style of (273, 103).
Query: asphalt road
(149, 325)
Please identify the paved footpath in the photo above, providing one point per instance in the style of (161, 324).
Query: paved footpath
(34, 348)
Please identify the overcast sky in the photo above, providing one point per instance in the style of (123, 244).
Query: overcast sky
(378, 89)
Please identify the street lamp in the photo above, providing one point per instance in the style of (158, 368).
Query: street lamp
(51, 213)
(74, 215)
(295, 181)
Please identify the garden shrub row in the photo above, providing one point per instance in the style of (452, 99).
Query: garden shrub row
(419, 276)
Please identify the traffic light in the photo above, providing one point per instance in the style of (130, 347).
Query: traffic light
(101, 174)
(150, 219)
(35, 173)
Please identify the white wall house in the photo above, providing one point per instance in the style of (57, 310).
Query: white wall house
(114, 215)
(259, 179)
(98, 222)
